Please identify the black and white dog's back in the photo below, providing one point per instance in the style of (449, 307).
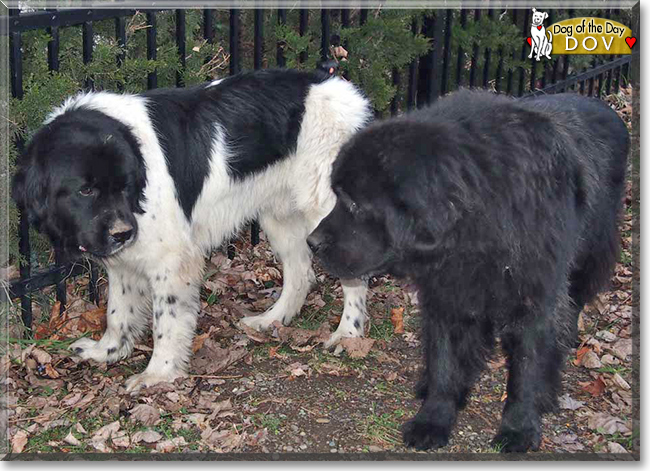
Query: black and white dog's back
(149, 183)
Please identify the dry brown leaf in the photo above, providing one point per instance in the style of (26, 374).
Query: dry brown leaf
(121, 439)
(253, 334)
(620, 382)
(211, 358)
(50, 372)
(397, 319)
(567, 402)
(169, 445)
(595, 388)
(19, 441)
(590, 360)
(71, 440)
(357, 347)
(146, 414)
(580, 353)
(147, 436)
(298, 337)
(197, 344)
(603, 422)
(41, 356)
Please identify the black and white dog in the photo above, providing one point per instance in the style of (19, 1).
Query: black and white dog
(149, 183)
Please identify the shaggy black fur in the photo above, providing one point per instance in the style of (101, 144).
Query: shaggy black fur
(78, 177)
(259, 132)
(504, 214)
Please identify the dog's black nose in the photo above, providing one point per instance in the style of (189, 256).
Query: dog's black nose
(314, 242)
(121, 231)
(121, 237)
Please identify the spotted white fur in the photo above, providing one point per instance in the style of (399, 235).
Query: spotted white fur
(158, 277)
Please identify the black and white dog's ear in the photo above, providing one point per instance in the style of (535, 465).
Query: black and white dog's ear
(545, 15)
(29, 187)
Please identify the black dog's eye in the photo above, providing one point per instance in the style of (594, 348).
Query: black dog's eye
(353, 207)
(86, 191)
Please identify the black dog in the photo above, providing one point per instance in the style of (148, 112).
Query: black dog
(504, 214)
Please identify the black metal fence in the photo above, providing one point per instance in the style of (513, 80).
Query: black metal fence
(427, 78)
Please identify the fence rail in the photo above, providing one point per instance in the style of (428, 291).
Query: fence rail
(427, 78)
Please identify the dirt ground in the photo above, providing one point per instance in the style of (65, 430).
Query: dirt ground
(281, 392)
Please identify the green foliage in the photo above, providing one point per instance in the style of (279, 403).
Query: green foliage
(383, 43)
(376, 48)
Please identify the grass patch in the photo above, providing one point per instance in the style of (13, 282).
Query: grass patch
(311, 318)
(382, 330)
(613, 369)
(384, 429)
(271, 422)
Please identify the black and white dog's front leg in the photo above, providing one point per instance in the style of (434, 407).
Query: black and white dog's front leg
(354, 315)
(129, 307)
(176, 288)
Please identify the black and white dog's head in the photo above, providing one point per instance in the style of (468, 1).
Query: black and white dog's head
(80, 181)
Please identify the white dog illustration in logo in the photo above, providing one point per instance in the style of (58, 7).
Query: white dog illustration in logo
(541, 45)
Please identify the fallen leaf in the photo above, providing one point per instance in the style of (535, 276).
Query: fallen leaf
(41, 356)
(147, 436)
(595, 388)
(50, 372)
(603, 422)
(606, 335)
(71, 440)
(609, 360)
(615, 447)
(19, 441)
(297, 369)
(567, 402)
(357, 347)
(397, 319)
(197, 344)
(145, 413)
(622, 349)
(568, 442)
(590, 360)
(221, 441)
(170, 445)
(581, 353)
(322, 421)
(219, 408)
(253, 334)
(620, 382)
(121, 439)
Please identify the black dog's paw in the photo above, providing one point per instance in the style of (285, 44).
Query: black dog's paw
(423, 435)
(517, 441)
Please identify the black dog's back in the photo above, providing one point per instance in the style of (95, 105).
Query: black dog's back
(583, 138)
(603, 140)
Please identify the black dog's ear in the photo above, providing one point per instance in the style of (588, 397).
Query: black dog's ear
(29, 188)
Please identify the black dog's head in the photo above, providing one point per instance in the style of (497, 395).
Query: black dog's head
(80, 181)
(387, 216)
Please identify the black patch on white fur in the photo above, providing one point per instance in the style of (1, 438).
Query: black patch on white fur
(259, 112)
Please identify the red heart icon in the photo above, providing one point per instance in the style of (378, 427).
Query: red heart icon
(529, 41)
(539, 27)
(630, 41)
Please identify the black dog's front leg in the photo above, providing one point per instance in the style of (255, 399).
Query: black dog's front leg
(455, 349)
(535, 360)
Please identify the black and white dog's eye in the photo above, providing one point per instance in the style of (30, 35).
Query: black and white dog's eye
(353, 207)
(86, 191)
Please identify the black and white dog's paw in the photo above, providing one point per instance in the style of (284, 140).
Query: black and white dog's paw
(100, 351)
(424, 435)
(147, 379)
